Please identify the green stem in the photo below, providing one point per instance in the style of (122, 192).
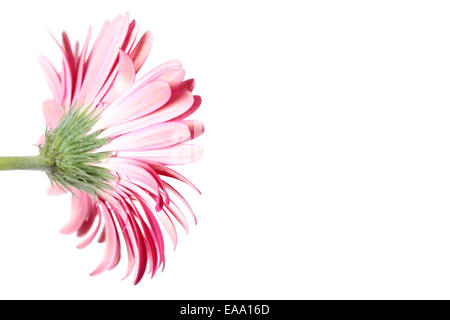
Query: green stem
(24, 163)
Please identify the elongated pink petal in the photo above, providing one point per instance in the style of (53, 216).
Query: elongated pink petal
(130, 38)
(135, 104)
(67, 85)
(79, 212)
(179, 154)
(81, 67)
(188, 84)
(165, 171)
(112, 251)
(178, 214)
(91, 237)
(53, 79)
(169, 67)
(196, 128)
(142, 50)
(177, 105)
(52, 113)
(172, 189)
(103, 57)
(89, 219)
(168, 226)
(154, 137)
(127, 169)
(69, 54)
(123, 80)
(67, 74)
(191, 110)
(172, 77)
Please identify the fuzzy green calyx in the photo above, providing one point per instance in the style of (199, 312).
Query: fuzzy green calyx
(70, 153)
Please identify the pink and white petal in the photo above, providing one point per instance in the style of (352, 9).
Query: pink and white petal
(112, 250)
(78, 214)
(132, 171)
(165, 171)
(68, 53)
(88, 240)
(196, 128)
(154, 137)
(168, 225)
(67, 75)
(178, 214)
(191, 110)
(188, 84)
(178, 104)
(67, 85)
(142, 50)
(177, 155)
(103, 57)
(135, 104)
(172, 77)
(81, 66)
(89, 219)
(53, 78)
(52, 113)
(162, 71)
(130, 38)
(124, 79)
(187, 205)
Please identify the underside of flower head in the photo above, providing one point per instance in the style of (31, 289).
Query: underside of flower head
(115, 151)
(70, 150)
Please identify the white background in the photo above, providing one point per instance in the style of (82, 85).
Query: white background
(326, 171)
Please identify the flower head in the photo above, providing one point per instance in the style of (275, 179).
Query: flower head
(110, 140)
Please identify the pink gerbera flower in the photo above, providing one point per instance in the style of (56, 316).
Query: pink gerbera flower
(110, 139)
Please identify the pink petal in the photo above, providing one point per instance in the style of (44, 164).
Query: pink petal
(165, 171)
(179, 104)
(68, 53)
(135, 104)
(53, 78)
(130, 37)
(142, 50)
(81, 65)
(91, 237)
(172, 189)
(168, 226)
(112, 251)
(67, 74)
(89, 219)
(131, 170)
(187, 85)
(169, 67)
(103, 57)
(67, 84)
(52, 113)
(78, 214)
(191, 110)
(172, 77)
(154, 137)
(178, 214)
(179, 154)
(195, 127)
(124, 79)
